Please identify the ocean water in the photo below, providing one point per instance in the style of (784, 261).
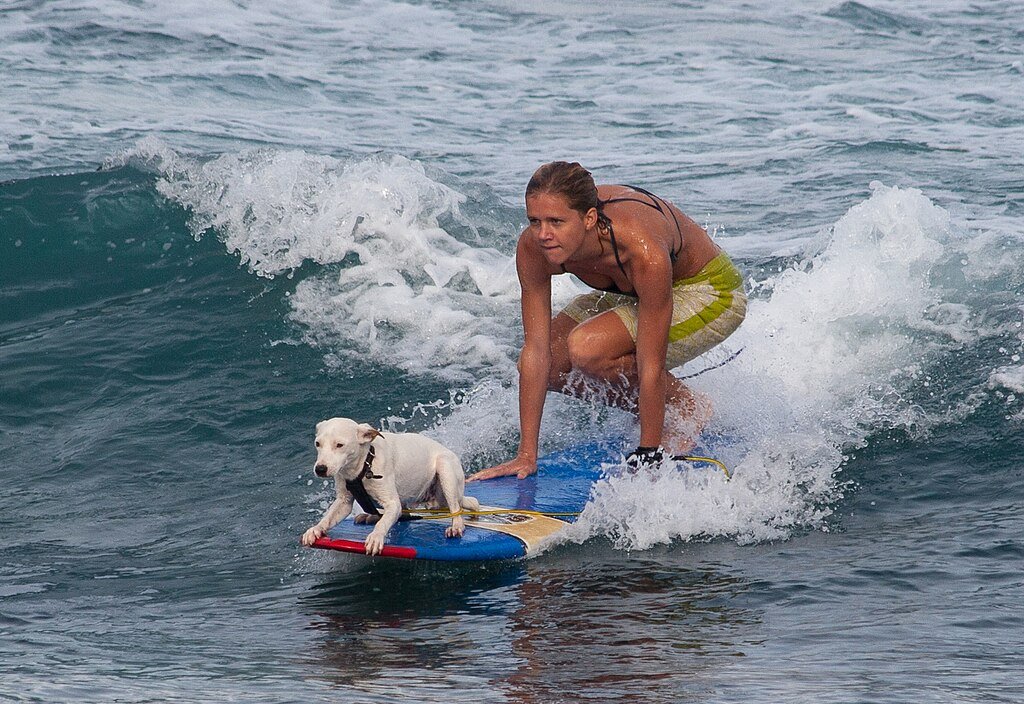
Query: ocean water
(222, 222)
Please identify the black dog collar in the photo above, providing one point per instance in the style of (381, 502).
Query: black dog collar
(358, 489)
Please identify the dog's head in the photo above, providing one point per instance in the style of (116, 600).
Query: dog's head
(339, 447)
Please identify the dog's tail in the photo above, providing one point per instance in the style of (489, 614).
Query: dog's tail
(470, 504)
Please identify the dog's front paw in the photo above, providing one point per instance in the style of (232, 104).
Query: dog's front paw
(374, 543)
(456, 529)
(312, 535)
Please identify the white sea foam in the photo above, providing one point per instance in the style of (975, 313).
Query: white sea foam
(836, 336)
(394, 286)
(1007, 380)
(1009, 377)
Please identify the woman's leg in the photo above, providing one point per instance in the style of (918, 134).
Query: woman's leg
(601, 349)
(561, 327)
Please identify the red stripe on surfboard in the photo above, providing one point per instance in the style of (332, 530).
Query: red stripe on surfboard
(358, 547)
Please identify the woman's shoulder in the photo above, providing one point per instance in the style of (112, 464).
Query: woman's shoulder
(606, 191)
(629, 201)
(630, 211)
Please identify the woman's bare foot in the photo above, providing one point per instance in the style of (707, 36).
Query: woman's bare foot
(519, 467)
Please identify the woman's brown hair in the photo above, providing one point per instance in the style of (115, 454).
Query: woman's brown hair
(572, 182)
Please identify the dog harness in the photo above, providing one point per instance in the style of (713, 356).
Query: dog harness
(358, 489)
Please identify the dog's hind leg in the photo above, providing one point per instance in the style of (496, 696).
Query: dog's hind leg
(453, 482)
(434, 498)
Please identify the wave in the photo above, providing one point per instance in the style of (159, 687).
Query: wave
(401, 266)
(894, 322)
(868, 18)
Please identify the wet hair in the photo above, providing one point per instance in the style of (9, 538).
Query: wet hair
(572, 182)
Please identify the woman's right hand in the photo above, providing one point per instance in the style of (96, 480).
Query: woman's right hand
(520, 466)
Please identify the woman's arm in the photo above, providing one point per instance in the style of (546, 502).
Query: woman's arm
(534, 362)
(651, 276)
(535, 358)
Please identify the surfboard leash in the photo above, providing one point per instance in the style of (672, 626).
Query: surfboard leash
(709, 460)
(438, 514)
(728, 359)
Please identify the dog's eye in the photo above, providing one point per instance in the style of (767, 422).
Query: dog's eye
(317, 443)
(339, 445)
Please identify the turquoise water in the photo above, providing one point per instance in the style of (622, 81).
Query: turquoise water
(219, 225)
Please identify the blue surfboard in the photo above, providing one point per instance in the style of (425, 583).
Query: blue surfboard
(548, 501)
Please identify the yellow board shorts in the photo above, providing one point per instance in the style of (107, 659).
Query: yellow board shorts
(706, 309)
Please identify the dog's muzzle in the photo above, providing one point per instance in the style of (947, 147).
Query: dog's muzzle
(320, 470)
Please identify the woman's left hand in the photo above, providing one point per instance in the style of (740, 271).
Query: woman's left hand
(521, 467)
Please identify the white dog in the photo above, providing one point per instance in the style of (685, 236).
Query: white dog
(394, 468)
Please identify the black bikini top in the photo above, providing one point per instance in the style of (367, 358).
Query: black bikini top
(655, 203)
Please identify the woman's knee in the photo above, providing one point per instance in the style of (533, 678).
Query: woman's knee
(587, 351)
(559, 370)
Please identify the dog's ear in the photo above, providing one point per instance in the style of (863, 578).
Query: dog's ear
(317, 430)
(367, 433)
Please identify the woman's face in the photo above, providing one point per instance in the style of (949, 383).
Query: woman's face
(556, 227)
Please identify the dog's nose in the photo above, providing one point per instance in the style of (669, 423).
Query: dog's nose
(320, 470)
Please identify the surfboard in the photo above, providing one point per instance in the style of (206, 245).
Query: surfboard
(519, 515)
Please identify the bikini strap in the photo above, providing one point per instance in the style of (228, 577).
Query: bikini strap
(657, 206)
(615, 249)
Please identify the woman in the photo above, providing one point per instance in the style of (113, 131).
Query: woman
(665, 294)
